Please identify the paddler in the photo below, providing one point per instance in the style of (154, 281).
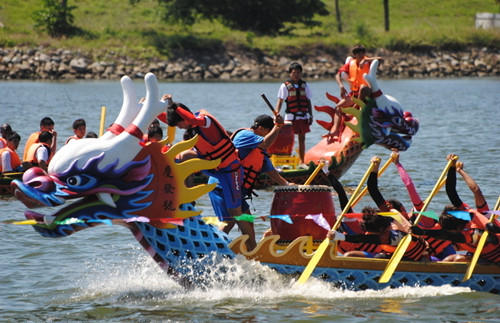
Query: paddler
(9, 160)
(214, 143)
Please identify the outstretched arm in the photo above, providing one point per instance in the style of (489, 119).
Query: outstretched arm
(337, 186)
(273, 134)
(373, 185)
(410, 187)
(481, 203)
(451, 183)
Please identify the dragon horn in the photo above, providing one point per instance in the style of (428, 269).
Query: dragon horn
(371, 77)
(128, 111)
(152, 106)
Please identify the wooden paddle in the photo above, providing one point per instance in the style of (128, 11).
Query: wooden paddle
(405, 242)
(314, 173)
(269, 105)
(480, 245)
(103, 118)
(322, 247)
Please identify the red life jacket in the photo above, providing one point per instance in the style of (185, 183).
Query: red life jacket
(437, 246)
(414, 252)
(297, 101)
(252, 164)
(491, 251)
(15, 161)
(223, 149)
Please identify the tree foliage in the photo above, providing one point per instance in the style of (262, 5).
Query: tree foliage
(259, 16)
(55, 18)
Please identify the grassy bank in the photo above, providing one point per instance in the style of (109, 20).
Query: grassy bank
(139, 31)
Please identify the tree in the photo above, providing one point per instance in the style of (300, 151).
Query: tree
(337, 14)
(386, 14)
(259, 16)
(55, 17)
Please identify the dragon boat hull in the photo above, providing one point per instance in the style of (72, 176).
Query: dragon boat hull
(5, 180)
(363, 273)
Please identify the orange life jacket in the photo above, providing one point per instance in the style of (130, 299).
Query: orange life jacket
(72, 137)
(356, 75)
(223, 149)
(33, 138)
(15, 161)
(297, 101)
(31, 155)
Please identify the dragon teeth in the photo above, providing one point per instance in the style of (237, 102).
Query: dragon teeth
(106, 199)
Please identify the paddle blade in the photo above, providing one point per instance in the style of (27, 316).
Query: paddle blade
(313, 262)
(395, 259)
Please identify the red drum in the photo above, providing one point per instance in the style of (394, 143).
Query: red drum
(298, 202)
(283, 145)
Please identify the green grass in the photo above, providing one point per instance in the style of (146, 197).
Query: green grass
(139, 31)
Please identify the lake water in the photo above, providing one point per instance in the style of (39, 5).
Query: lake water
(103, 274)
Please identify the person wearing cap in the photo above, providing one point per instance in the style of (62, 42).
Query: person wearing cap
(9, 160)
(214, 143)
(297, 95)
(5, 131)
(251, 144)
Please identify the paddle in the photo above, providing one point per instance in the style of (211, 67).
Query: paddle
(103, 118)
(322, 247)
(405, 242)
(480, 245)
(314, 173)
(269, 105)
(380, 172)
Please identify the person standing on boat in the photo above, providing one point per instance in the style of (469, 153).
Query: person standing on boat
(79, 129)
(5, 131)
(297, 95)
(46, 124)
(39, 153)
(251, 145)
(353, 70)
(9, 160)
(214, 143)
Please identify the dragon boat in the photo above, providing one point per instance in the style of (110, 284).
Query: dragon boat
(116, 180)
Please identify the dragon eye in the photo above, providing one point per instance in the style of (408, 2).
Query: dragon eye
(80, 181)
(397, 120)
(74, 180)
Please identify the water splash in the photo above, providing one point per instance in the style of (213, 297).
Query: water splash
(242, 281)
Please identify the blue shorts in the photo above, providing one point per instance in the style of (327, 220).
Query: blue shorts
(227, 194)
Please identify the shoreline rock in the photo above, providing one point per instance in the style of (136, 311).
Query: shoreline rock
(239, 65)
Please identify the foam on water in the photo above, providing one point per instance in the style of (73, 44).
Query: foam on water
(242, 280)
